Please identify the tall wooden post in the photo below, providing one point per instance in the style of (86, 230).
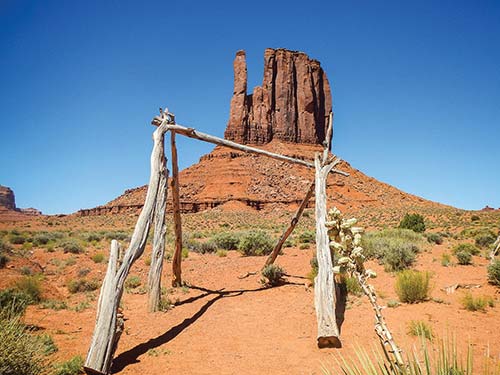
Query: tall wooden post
(324, 283)
(293, 223)
(177, 259)
(108, 326)
(160, 230)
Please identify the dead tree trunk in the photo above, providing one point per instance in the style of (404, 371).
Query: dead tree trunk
(106, 335)
(158, 253)
(177, 259)
(495, 249)
(324, 283)
(272, 257)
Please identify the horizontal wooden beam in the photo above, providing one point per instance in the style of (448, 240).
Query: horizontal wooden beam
(192, 133)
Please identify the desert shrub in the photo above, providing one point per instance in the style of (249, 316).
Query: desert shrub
(353, 286)
(464, 258)
(226, 241)
(414, 222)
(484, 240)
(314, 269)
(21, 353)
(222, 253)
(474, 232)
(255, 243)
(48, 344)
(273, 274)
(471, 303)
(13, 302)
(208, 247)
(3, 260)
(119, 236)
(98, 257)
(494, 273)
(445, 259)
(399, 258)
(132, 282)
(395, 248)
(412, 286)
(304, 246)
(420, 328)
(74, 366)
(307, 236)
(91, 237)
(434, 238)
(475, 218)
(184, 253)
(26, 271)
(82, 285)
(54, 305)
(27, 246)
(18, 239)
(82, 272)
(29, 286)
(4, 246)
(41, 239)
(72, 246)
(466, 247)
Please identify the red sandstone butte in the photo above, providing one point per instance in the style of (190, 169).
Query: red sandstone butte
(292, 105)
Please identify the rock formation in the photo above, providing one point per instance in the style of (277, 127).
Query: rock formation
(292, 105)
(7, 198)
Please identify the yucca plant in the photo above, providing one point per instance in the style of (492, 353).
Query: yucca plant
(446, 360)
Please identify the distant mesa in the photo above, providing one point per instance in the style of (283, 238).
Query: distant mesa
(8, 203)
(291, 105)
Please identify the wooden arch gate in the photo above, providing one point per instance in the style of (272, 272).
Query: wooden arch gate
(109, 321)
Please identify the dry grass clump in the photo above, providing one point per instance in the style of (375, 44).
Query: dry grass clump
(412, 286)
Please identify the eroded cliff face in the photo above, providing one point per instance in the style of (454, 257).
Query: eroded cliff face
(7, 198)
(292, 105)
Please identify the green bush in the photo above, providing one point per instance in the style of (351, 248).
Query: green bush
(273, 274)
(464, 258)
(29, 286)
(484, 240)
(5, 247)
(412, 286)
(434, 238)
(226, 241)
(132, 282)
(82, 285)
(414, 222)
(475, 218)
(471, 303)
(18, 239)
(21, 353)
(98, 257)
(445, 259)
(466, 247)
(494, 273)
(74, 366)
(208, 247)
(3, 260)
(49, 346)
(72, 246)
(395, 248)
(91, 237)
(307, 236)
(13, 302)
(353, 286)
(420, 328)
(255, 243)
(41, 239)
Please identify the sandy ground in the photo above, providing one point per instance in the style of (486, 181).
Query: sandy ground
(222, 324)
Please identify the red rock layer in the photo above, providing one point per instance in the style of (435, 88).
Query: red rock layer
(292, 105)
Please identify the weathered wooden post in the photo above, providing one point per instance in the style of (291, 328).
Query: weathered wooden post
(177, 259)
(293, 223)
(108, 328)
(160, 230)
(324, 283)
(495, 249)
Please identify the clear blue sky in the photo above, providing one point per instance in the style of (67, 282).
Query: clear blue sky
(416, 88)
